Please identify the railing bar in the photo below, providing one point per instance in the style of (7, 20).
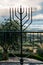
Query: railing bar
(20, 31)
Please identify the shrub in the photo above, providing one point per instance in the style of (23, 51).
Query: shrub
(35, 57)
(40, 52)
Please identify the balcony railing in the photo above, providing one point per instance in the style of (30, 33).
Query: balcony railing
(18, 63)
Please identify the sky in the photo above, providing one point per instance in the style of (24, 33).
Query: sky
(25, 3)
(37, 15)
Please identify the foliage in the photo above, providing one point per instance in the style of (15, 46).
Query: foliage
(40, 52)
(36, 57)
(7, 37)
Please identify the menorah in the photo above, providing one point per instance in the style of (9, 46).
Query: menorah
(28, 13)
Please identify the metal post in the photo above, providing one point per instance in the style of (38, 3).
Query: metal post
(21, 60)
(33, 42)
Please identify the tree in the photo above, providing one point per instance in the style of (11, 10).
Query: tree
(8, 38)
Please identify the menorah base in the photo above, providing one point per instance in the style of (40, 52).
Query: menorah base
(21, 61)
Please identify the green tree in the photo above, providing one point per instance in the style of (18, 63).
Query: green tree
(7, 36)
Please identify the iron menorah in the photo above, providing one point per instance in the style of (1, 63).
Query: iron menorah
(28, 13)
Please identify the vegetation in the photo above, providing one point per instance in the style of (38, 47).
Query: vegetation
(8, 39)
(40, 52)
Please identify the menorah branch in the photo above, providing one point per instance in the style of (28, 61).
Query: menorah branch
(23, 11)
(27, 26)
(25, 14)
(27, 20)
(16, 22)
(18, 10)
(16, 14)
(10, 14)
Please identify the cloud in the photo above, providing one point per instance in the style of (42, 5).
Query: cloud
(4, 12)
(39, 27)
(16, 3)
(38, 16)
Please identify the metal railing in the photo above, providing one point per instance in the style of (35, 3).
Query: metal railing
(18, 63)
